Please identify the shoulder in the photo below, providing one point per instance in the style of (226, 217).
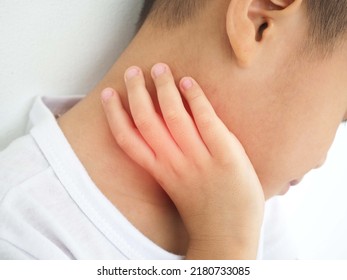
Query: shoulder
(9, 251)
(20, 162)
(29, 192)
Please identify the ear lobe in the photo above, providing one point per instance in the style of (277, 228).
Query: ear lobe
(250, 22)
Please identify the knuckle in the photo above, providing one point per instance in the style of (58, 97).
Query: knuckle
(147, 165)
(122, 140)
(201, 164)
(226, 161)
(205, 120)
(172, 116)
(179, 168)
(193, 95)
(176, 169)
(164, 81)
(142, 122)
(135, 84)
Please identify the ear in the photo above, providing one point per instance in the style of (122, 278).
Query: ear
(250, 23)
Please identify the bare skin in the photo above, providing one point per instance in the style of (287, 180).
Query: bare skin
(283, 108)
(198, 162)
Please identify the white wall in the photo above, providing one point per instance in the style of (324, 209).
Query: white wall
(317, 208)
(50, 47)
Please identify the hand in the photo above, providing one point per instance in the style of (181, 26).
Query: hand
(197, 161)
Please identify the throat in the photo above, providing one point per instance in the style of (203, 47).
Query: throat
(126, 185)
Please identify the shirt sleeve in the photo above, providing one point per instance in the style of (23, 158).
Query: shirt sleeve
(11, 252)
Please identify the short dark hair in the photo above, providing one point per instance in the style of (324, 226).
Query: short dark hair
(328, 21)
(327, 18)
(170, 13)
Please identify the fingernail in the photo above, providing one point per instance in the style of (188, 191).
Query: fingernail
(187, 83)
(159, 69)
(107, 94)
(132, 72)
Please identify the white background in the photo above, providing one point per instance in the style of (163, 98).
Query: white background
(317, 207)
(88, 270)
(64, 48)
(56, 47)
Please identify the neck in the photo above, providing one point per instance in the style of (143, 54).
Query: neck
(136, 194)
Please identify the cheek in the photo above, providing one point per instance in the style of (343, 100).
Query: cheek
(292, 144)
(287, 124)
(285, 153)
(284, 139)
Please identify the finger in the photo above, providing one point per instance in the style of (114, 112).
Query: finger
(148, 122)
(124, 132)
(214, 133)
(177, 119)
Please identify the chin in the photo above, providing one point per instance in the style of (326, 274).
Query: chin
(284, 190)
(288, 186)
(272, 191)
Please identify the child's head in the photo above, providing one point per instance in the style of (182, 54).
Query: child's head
(274, 70)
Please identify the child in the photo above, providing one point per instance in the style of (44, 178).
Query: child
(202, 167)
(273, 74)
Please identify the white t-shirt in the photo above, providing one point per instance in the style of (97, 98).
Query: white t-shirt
(51, 209)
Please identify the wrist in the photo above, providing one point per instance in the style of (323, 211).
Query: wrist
(228, 248)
